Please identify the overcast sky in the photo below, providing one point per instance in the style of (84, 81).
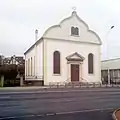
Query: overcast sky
(20, 18)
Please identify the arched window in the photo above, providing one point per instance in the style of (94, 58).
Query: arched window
(56, 62)
(74, 31)
(90, 63)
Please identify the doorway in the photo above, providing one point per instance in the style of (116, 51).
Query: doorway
(74, 72)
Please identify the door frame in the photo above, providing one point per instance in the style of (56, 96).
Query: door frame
(69, 70)
(74, 74)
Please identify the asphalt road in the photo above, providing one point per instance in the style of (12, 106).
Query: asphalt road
(59, 104)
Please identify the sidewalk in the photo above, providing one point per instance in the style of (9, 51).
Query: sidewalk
(23, 88)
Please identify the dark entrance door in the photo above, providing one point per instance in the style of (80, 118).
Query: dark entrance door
(74, 72)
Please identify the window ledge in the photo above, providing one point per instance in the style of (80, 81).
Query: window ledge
(56, 74)
(91, 74)
(75, 35)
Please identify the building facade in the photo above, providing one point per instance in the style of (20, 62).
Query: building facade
(110, 71)
(68, 52)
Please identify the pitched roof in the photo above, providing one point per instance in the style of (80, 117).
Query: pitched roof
(19, 59)
(33, 45)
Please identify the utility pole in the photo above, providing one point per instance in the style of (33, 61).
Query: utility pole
(108, 55)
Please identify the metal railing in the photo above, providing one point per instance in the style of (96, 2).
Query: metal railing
(80, 85)
(33, 78)
(83, 83)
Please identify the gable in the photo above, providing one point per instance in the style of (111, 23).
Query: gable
(63, 31)
(75, 56)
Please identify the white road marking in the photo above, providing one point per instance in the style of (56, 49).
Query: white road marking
(59, 113)
(7, 118)
(5, 97)
(81, 111)
(15, 117)
(50, 114)
(39, 115)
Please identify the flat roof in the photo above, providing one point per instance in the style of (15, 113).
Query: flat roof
(110, 59)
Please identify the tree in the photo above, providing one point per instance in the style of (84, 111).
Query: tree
(21, 69)
(9, 71)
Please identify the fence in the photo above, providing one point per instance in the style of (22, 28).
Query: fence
(34, 81)
(32, 78)
(80, 85)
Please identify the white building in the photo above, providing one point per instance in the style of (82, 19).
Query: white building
(66, 52)
(111, 70)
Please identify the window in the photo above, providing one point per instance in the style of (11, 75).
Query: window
(116, 73)
(56, 62)
(34, 65)
(111, 73)
(28, 67)
(90, 63)
(74, 31)
(31, 66)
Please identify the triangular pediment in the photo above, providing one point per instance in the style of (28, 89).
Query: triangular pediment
(75, 56)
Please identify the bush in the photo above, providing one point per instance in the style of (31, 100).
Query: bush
(10, 73)
(21, 69)
(8, 70)
(11, 83)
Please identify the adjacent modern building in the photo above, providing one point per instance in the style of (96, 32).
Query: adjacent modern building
(110, 70)
(67, 52)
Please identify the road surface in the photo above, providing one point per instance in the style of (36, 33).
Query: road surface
(57, 104)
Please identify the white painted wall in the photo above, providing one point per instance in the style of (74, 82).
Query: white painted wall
(66, 48)
(59, 37)
(35, 53)
(40, 59)
(63, 30)
(30, 54)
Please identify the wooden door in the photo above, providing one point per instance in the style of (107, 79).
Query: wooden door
(74, 72)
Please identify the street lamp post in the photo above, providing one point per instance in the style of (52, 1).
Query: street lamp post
(108, 56)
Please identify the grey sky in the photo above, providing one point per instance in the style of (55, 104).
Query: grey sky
(20, 18)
